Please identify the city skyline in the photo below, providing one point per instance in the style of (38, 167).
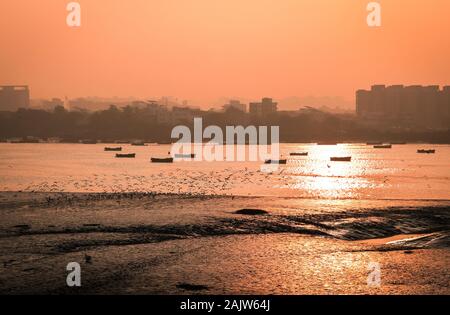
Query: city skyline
(22, 99)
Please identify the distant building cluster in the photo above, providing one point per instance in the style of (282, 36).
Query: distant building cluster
(264, 108)
(165, 110)
(48, 104)
(261, 109)
(182, 113)
(162, 114)
(235, 104)
(14, 97)
(421, 106)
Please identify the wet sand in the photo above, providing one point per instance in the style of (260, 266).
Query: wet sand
(181, 244)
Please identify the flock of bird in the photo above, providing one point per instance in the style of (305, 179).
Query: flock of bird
(227, 181)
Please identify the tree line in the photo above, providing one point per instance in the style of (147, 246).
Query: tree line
(130, 123)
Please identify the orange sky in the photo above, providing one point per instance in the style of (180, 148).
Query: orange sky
(205, 49)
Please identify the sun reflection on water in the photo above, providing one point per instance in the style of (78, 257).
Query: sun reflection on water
(321, 177)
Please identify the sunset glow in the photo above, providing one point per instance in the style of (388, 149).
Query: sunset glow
(202, 50)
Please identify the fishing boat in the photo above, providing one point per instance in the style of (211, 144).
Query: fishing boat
(185, 156)
(383, 146)
(341, 159)
(26, 140)
(275, 162)
(89, 141)
(138, 143)
(126, 156)
(162, 160)
(299, 154)
(119, 149)
(426, 151)
(69, 140)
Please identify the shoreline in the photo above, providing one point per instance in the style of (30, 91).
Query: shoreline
(144, 194)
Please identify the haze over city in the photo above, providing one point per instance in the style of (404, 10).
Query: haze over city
(207, 50)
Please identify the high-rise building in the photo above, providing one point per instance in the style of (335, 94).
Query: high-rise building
(14, 97)
(445, 104)
(393, 100)
(265, 108)
(363, 106)
(416, 105)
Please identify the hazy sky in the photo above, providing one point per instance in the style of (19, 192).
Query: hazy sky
(205, 49)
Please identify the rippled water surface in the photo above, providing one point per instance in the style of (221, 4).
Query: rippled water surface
(397, 173)
(322, 222)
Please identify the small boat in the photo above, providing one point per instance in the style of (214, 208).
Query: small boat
(26, 140)
(138, 143)
(426, 151)
(299, 154)
(126, 156)
(383, 146)
(341, 159)
(89, 141)
(68, 140)
(162, 160)
(185, 156)
(119, 149)
(275, 162)
(122, 142)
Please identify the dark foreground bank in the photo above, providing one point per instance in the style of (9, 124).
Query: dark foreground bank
(175, 244)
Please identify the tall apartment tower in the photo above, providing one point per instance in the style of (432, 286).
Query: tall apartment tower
(413, 106)
(14, 97)
(264, 108)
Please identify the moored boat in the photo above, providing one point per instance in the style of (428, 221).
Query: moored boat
(138, 143)
(383, 146)
(26, 140)
(69, 140)
(299, 154)
(275, 162)
(341, 159)
(89, 141)
(162, 160)
(126, 156)
(432, 151)
(185, 156)
(118, 149)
